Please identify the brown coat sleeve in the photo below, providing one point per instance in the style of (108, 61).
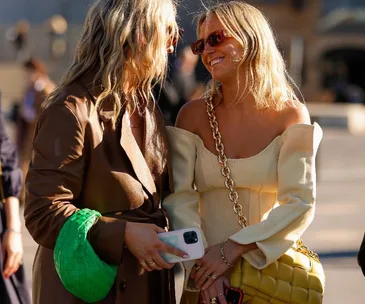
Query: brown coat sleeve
(55, 180)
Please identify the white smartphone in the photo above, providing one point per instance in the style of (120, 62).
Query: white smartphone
(188, 240)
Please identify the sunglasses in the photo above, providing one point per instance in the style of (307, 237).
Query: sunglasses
(176, 38)
(214, 39)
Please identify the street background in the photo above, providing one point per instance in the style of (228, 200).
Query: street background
(323, 44)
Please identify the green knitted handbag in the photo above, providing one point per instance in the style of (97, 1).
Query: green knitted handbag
(80, 269)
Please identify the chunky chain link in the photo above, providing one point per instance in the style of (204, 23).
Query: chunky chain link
(222, 159)
(229, 183)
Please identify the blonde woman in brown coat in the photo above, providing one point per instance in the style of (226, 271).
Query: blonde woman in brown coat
(100, 143)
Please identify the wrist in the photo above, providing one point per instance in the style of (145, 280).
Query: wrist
(235, 248)
(13, 230)
(224, 257)
(14, 225)
(128, 229)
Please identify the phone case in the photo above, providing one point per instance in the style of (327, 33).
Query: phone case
(188, 240)
(233, 295)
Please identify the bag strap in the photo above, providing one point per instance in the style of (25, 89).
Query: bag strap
(222, 159)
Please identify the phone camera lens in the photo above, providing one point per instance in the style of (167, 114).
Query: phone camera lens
(190, 237)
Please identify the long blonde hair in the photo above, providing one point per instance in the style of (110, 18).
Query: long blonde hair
(117, 33)
(266, 76)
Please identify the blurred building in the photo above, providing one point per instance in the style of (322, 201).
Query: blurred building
(323, 41)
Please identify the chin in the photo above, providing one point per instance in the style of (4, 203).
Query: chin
(221, 77)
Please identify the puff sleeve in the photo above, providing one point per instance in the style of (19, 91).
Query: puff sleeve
(182, 206)
(295, 198)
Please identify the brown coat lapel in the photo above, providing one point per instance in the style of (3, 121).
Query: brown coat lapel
(135, 155)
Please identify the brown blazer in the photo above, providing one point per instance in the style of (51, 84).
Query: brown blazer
(80, 161)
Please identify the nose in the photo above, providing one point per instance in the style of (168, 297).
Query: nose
(208, 49)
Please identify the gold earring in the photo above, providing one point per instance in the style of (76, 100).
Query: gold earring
(237, 60)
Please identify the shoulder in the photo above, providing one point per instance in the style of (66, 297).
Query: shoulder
(60, 130)
(294, 113)
(72, 103)
(297, 130)
(190, 115)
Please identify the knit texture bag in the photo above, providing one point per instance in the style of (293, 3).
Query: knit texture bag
(80, 269)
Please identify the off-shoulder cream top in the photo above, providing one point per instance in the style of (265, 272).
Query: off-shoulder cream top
(276, 187)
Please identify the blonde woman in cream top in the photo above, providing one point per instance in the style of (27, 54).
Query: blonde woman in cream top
(270, 144)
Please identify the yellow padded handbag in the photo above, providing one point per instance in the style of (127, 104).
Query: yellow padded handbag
(297, 277)
(294, 278)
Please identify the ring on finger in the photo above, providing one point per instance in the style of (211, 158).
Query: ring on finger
(220, 294)
(197, 267)
(152, 264)
(213, 276)
(213, 300)
(207, 275)
(143, 264)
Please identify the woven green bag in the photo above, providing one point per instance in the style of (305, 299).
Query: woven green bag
(80, 269)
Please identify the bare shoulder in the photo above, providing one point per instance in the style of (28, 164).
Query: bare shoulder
(190, 115)
(295, 113)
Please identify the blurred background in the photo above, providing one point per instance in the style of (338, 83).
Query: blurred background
(323, 44)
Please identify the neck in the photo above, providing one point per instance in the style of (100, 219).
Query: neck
(233, 96)
(128, 81)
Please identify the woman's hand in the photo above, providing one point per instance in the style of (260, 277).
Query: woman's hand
(211, 266)
(216, 290)
(12, 250)
(141, 239)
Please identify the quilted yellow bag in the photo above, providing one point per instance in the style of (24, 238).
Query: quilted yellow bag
(297, 277)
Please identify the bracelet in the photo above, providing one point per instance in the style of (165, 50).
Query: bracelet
(223, 255)
(13, 230)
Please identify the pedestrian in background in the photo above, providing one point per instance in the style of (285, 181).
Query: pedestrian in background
(37, 87)
(18, 36)
(13, 285)
(100, 164)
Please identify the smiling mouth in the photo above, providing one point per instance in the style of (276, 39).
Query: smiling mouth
(216, 61)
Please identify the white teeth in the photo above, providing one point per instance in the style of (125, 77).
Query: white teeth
(215, 61)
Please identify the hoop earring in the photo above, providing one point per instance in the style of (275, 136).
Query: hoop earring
(237, 60)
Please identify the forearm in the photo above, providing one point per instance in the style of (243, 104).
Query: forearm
(247, 248)
(233, 250)
(107, 237)
(11, 207)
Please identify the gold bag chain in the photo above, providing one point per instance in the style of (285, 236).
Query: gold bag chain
(229, 183)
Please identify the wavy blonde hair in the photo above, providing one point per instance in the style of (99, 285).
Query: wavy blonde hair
(119, 34)
(266, 76)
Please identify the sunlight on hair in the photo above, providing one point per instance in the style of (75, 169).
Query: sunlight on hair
(125, 43)
(266, 76)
